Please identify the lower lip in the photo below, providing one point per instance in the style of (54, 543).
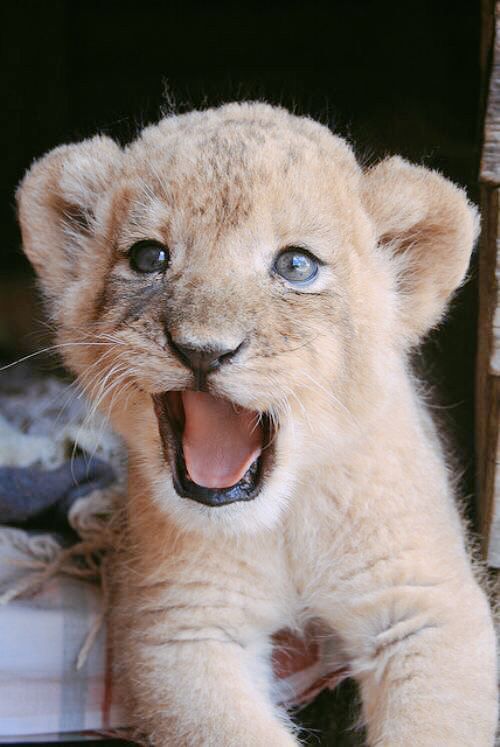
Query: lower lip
(213, 497)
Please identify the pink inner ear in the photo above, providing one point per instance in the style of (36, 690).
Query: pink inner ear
(219, 441)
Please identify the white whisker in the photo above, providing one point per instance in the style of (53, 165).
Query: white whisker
(49, 349)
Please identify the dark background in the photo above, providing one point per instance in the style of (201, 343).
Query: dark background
(394, 77)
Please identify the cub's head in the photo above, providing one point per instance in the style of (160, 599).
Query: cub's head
(238, 295)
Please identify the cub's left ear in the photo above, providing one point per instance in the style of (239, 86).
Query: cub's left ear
(429, 227)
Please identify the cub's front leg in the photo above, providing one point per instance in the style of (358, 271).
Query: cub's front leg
(417, 630)
(191, 623)
(432, 676)
(202, 693)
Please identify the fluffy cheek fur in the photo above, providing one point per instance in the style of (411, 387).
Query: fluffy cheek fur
(316, 420)
(308, 429)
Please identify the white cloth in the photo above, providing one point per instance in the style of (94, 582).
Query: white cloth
(41, 690)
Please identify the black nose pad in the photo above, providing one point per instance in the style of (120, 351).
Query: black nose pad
(203, 360)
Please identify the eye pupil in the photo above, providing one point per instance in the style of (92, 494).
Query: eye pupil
(148, 256)
(296, 266)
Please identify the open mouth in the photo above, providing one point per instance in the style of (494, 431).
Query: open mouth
(219, 453)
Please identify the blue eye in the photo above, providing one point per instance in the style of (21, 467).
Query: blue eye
(296, 266)
(148, 256)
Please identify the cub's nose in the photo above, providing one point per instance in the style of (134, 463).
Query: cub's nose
(201, 360)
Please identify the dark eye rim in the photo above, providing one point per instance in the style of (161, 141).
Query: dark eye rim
(295, 248)
(143, 244)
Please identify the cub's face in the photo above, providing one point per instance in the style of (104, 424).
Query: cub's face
(236, 293)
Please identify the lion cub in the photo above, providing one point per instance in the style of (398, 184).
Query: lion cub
(241, 298)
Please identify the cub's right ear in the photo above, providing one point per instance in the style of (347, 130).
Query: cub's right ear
(59, 202)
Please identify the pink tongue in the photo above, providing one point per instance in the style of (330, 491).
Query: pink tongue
(219, 443)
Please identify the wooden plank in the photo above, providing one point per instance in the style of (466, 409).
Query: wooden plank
(494, 287)
(493, 469)
(488, 361)
(487, 382)
(490, 162)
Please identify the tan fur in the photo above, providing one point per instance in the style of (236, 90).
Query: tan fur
(357, 523)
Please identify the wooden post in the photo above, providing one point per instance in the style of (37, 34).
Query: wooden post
(488, 364)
